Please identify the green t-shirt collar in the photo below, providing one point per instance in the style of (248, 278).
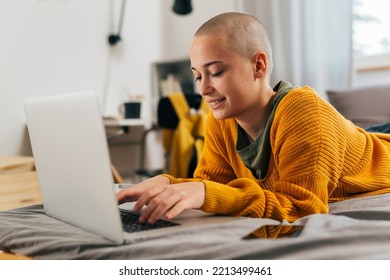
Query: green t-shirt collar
(256, 155)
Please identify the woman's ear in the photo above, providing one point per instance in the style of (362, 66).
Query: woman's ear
(260, 64)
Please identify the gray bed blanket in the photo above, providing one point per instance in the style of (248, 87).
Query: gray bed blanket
(354, 229)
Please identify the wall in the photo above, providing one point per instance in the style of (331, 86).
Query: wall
(56, 46)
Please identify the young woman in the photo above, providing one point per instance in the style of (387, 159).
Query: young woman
(277, 152)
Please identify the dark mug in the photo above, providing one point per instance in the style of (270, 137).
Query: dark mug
(131, 110)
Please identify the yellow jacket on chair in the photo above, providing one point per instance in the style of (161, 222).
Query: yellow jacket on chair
(188, 135)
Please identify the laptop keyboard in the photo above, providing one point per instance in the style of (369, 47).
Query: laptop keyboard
(130, 222)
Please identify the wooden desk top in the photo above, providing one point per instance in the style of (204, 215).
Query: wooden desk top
(19, 184)
(16, 164)
(19, 189)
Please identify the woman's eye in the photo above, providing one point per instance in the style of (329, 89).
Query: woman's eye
(217, 74)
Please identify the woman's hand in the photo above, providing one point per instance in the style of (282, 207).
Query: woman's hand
(160, 198)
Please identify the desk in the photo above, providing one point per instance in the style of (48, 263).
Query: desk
(117, 126)
(19, 184)
(16, 164)
(117, 121)
(19, 189)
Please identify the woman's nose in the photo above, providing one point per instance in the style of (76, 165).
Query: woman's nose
(204, 87)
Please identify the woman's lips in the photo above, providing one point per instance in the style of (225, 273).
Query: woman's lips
(215, 103)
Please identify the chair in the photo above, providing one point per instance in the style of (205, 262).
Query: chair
(167, 122)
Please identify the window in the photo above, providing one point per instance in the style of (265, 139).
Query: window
(371, 28)
(371, 35)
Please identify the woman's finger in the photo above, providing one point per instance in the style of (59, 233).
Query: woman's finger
(153, 199)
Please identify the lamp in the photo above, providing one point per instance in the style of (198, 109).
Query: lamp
(115, 38)
(182, 7)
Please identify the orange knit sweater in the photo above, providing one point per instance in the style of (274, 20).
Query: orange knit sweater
(317, 157)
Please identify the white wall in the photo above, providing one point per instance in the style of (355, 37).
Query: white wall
(56, 46)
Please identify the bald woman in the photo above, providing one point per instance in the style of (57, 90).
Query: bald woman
(277, 152)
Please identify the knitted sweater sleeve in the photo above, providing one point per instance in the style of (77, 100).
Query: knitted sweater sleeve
(307, 154)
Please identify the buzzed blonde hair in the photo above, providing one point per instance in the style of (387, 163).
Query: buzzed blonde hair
(245, 35)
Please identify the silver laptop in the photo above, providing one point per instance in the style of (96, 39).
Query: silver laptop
(73, 164)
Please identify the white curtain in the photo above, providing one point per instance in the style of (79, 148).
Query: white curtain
(311, 39)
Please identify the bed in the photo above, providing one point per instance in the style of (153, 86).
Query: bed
(354, 229)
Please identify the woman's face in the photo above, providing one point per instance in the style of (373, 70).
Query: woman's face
(224, 79)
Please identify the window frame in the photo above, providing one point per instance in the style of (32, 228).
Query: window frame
(372, 63)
